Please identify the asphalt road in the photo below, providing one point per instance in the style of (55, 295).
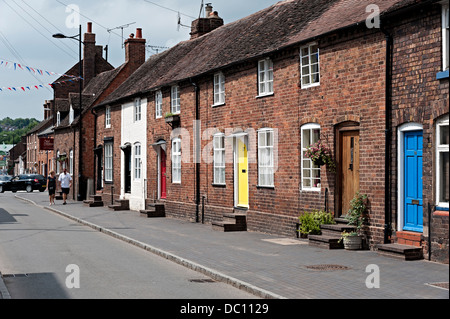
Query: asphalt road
(45, 256)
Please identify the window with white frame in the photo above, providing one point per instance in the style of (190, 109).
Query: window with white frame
(108, 162)
(442, 162)
(219, 159)
(265, 77)
(175, 100)
(176, 161)
(310, 134)
(71, 115)
(71, 162)
(137, 161)
(158, 104)
(108, 117)
(137, 110)
(310, 65)
(58, 118)
(445, 36)
(265, 158)
(219, 88)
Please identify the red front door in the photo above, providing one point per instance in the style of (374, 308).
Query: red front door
(163, 175)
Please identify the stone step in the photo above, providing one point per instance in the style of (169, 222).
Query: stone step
(91, 203)
(328, 242)
(336, 229)
(149, 213)
(341, 220)
(228, 227)
(122, 205)
(404, 252)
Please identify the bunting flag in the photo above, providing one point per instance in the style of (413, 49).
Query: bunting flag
(16, 66)
(27, 88)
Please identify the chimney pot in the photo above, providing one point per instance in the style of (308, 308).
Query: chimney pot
(132, 36)
(138, 33)
(208, 10)
(89, 27)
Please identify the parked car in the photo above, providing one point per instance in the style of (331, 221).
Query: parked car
(5, 178)
(26, 182)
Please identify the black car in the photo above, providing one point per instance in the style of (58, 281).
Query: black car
(26, 182)
(5, 178)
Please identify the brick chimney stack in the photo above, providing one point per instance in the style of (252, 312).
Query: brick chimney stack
(135, 50)
(89, 55)
(205, 25)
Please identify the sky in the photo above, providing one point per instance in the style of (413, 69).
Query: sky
(27, 26)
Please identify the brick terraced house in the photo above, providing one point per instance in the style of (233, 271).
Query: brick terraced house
(96, 87)
(218, 126)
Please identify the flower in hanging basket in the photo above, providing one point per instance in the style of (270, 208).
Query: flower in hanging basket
(321, 155)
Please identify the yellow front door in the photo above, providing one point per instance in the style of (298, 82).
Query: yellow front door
(242, 173)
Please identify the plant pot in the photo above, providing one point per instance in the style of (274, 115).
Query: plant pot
(173, 119)
(353, 242)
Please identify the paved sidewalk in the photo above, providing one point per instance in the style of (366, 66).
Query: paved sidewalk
(265, 265)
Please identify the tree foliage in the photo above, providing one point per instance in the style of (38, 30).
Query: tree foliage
(11, 130)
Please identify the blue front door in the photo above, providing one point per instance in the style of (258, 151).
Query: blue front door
(413, 181)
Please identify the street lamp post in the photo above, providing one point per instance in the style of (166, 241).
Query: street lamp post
(80, 107)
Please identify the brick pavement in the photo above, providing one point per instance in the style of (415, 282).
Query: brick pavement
(266, 265)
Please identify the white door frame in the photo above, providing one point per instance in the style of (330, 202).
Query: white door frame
(408, 127)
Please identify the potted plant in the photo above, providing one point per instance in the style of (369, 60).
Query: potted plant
(356, 218)
(321, 155)
(309, 223)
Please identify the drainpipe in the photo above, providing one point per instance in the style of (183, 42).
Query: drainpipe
(196, 152)
(95, 146)
(388, 101)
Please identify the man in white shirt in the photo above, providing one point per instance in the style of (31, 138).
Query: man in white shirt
(65, 181)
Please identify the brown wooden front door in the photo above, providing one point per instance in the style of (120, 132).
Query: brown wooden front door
(348, 169)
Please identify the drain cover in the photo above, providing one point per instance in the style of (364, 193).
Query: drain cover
(327, 267)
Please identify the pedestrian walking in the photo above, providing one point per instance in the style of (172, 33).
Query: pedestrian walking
(51, 187)
(66, 183)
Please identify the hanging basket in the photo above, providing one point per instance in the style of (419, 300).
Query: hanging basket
(319, 162)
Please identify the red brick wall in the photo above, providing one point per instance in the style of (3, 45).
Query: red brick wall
(418, 97)
(352, 89)
(110, 190)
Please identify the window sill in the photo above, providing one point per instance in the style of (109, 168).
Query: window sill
(265, 187)
(442, 75)
(265, 95)
(219, 185)
(304, 87)
(312, 190)
(218, 105)
(441, 209)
